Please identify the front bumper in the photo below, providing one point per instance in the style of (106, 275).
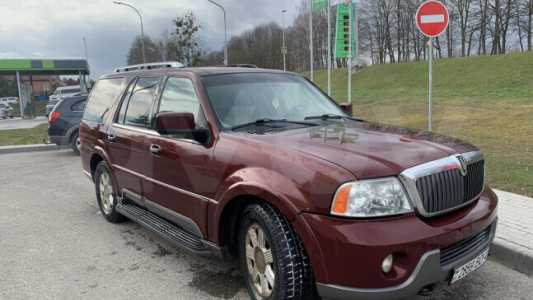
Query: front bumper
(428, 273)
(347, 254)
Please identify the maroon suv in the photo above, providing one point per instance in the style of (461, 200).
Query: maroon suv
(263, 166)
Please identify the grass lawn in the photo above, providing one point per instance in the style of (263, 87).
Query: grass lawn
(487, 101)
(37, 135)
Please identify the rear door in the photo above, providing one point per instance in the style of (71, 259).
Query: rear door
(127, 137)
(178, 176)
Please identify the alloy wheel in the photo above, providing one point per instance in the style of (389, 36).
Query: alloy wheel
(260, 261)
(106, 193)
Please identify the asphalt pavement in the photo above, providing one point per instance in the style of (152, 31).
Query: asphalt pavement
(54, 244)
(18, 123)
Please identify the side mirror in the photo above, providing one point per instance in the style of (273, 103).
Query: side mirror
(347, 108)
(181, 125)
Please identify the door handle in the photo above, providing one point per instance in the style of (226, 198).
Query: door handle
(155, 149)
(111, 137)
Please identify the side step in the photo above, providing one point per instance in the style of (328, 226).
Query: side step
(165, 229)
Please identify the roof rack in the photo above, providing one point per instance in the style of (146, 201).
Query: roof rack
(251, 66)
(151, 66)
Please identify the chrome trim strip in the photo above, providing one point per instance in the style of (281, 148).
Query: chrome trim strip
(153, 133)
(203, 198)
(128, 171)
(410, 176)
(137, 129)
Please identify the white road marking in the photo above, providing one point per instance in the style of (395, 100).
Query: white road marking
(429, 19)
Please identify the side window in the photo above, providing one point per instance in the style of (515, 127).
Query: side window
(102, 97)
(139, 111)
(78, 106)
(179, 96)
(124, 106)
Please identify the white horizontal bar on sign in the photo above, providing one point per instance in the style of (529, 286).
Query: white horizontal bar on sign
(429, 19)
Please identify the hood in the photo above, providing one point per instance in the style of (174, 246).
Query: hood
(368, 150)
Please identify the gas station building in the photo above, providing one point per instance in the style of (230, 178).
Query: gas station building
(27, 72)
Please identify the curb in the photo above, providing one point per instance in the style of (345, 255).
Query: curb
(29, 148)
(512, 256)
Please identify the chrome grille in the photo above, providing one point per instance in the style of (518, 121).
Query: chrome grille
(446, 184)
(449, 189)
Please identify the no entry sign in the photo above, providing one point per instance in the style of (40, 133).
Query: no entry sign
(432, 18)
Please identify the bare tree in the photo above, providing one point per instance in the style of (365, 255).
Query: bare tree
(463, 10)
(153, 51)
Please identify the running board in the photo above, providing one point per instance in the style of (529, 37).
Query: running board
(165, 229)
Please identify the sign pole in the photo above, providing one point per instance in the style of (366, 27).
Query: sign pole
(19, 88)
(329, 47)
(311, 58)
(430, 106)
(432, 19)
(350, 55)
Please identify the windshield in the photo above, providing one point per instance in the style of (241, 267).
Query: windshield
(243, 98)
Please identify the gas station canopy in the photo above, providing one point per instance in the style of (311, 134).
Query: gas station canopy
(44, 66)
(18, 67)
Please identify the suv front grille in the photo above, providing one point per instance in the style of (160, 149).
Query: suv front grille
(458, 250)
(449, 189)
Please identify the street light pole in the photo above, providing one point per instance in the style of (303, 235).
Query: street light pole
(311, 54)
(284, 47)
(85, 49)
(226, 54)
(142, 26)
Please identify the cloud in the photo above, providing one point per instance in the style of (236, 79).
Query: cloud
(55, 28)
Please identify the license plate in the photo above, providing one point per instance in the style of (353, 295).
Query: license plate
(463, 271)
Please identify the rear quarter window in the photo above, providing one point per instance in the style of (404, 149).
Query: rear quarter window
(102, 97)
(78, 106)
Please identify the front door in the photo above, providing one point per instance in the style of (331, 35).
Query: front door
(179, 176)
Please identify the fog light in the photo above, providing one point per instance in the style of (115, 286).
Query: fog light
(386, 265)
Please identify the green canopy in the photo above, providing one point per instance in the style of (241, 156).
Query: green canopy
(44, 66)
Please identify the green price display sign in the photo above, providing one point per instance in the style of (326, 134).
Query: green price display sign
(344, 21)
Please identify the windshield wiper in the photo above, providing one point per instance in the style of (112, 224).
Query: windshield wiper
(265, 121)
(326, 117)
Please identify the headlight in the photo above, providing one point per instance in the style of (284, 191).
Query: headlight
(371, 198)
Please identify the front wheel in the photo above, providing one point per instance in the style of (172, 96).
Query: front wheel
(272, 258)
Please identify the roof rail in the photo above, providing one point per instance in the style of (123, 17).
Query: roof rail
(150, 66)
(251, 66)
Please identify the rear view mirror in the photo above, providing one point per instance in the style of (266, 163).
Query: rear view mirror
(174, 123)
(182, 125)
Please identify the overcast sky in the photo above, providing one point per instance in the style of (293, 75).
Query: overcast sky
(55, 28)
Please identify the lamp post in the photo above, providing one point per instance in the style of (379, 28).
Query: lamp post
(142, 26)
(226, 60)
(284, 45)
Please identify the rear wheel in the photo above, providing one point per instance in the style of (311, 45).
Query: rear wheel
(75, 143)
(105, 193)
(272, 258)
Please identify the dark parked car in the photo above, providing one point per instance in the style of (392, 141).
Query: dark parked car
(6, 111)
(50, 106)
(64, 122)
(262, 165)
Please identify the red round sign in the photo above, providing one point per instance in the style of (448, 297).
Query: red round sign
(432, 18)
